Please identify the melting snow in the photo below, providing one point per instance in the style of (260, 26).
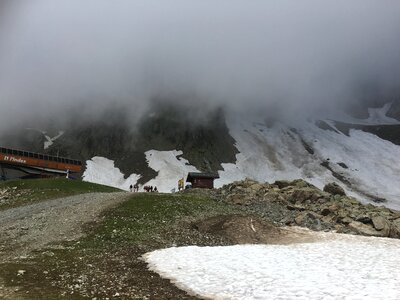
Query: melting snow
(168, 164)
(103, 171)
(50, 140)
(278, 152)
(338, 267)
(170, 168)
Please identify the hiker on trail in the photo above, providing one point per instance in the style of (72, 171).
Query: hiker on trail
(136, 188)
(130, 188)
(180, 184)
(151, 188)
(155, 189)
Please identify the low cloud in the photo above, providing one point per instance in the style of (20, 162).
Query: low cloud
(295, 56)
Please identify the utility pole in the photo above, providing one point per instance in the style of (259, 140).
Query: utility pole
(3, 173)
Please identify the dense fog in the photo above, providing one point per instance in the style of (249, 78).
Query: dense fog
(290, 56)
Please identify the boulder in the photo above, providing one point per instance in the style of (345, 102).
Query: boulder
(346, 220)
(282, 183)
(365, 229)
(379, 222)
(300, 183)
(300, 219)
(256, 187)
(325, 211)
(334, 189)
(238, 199)
(273, 196)
(366, 219)
(395, 229)
(303, 194)
(306, 216)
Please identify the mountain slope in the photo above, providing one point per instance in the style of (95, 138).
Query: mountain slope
(359, 154)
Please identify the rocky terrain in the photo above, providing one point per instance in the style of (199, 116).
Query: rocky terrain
(8, 194)
(298, 203)
(71, 247)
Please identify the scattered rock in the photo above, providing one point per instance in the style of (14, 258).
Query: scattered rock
(363, 229)
(300, 203)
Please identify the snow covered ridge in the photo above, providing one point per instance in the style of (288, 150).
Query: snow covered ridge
(337, 267)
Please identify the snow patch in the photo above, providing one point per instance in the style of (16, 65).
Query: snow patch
(50, 140)
(170, 168)
(338, 267)
(103, 171)
(279, 152)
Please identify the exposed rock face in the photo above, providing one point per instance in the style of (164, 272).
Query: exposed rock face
(302, 204)
(334, 189)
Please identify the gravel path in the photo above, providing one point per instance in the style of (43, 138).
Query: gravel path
(28, 228)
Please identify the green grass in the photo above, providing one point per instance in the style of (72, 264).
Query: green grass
(23, 192)
(146, 216)
(111, 250)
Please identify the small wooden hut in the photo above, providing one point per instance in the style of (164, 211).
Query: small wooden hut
(202, 180)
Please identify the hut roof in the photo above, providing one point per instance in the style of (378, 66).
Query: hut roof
(202, 175)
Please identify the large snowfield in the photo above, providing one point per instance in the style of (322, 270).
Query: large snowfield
(279, 152)
(103, 171)
(336, 267)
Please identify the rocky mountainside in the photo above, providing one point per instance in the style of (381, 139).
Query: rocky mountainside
(206, 143)
(358, 153)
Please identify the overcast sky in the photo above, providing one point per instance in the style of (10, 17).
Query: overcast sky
(55, 54)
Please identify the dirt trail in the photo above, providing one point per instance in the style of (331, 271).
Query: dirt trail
(28, 228)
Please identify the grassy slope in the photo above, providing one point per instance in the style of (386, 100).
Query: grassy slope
(108, 258)
(23, 192)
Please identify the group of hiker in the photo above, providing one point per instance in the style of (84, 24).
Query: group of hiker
(148, 188)
(134, 188)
